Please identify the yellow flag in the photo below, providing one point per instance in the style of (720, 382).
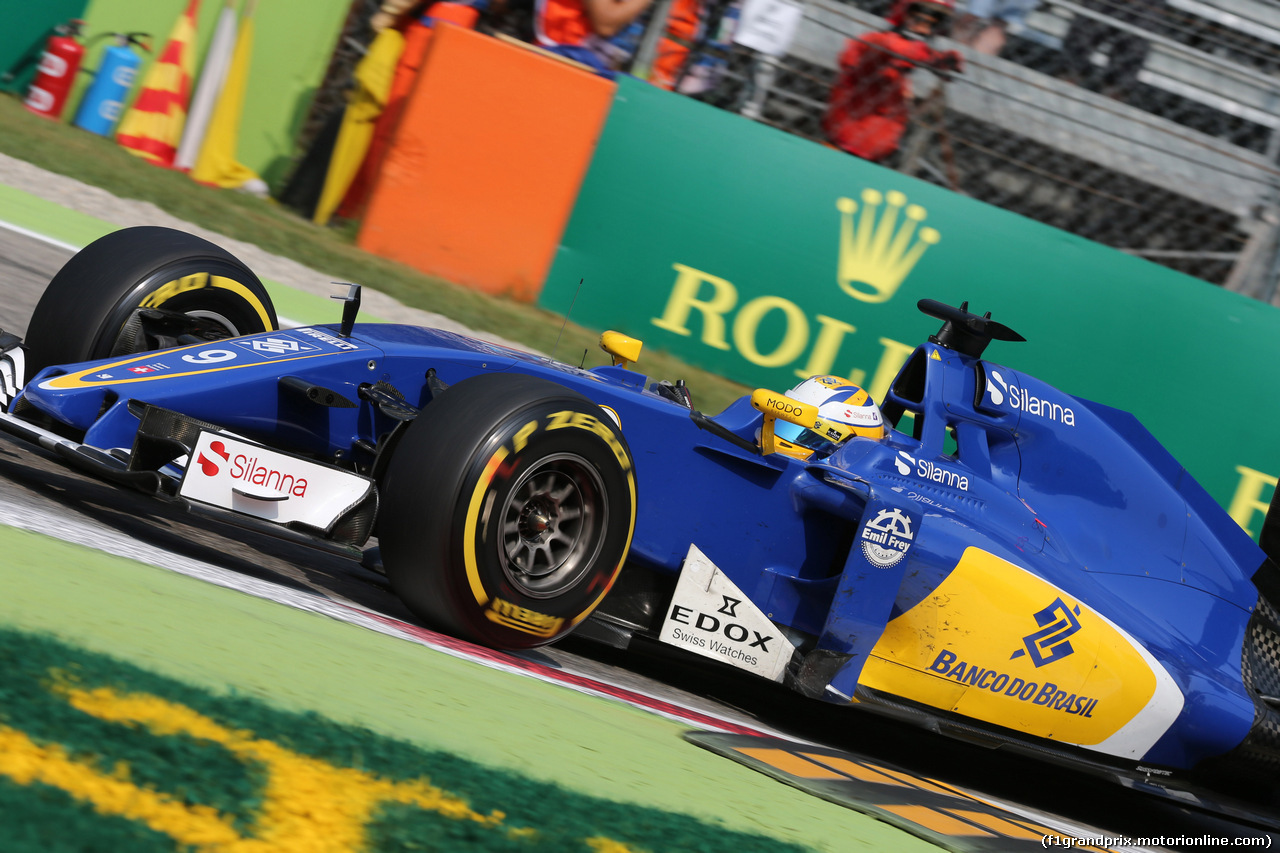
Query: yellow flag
(217, 164)
(374, 75)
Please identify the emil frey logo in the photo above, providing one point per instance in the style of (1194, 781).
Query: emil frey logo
(886, 538)
(1057, 623)
(1003, 393)
(928, 471)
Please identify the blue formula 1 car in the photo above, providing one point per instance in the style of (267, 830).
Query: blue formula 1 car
(997, 560)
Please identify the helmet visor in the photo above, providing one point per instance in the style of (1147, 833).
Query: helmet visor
(799, 435)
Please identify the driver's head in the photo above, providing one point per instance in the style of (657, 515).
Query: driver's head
(844, 409)
(921, 18)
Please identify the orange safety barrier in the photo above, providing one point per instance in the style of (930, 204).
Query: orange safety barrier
(485, 165)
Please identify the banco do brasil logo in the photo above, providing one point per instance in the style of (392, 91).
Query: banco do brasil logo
(1057, 623)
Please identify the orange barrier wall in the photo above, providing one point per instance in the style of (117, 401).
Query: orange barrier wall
(486, 163)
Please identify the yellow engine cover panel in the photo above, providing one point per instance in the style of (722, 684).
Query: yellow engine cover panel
(998, 644)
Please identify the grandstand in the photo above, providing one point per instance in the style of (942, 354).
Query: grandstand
(1182, 171)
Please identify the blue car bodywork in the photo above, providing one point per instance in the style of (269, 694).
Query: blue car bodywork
(1011, 563)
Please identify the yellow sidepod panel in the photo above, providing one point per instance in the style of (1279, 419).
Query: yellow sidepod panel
(996, 643)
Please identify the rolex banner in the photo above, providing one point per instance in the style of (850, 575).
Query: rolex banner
(768, 258)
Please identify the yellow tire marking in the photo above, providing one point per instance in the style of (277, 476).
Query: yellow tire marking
(248, 296)
(469, 530)
(199, 281)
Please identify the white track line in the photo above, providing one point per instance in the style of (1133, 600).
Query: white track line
(36, 235)
(285, 322)
(102, 538)
(107, 540)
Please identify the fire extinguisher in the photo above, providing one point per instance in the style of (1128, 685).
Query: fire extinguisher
(58, 66)
(100, 107)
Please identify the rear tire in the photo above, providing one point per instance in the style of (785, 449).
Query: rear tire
(507, 511)
(91, 308)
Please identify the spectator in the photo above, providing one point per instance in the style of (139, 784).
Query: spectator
(1128, 50)
(869, 105)
(588, 30)
(684, 25)
(986, 23)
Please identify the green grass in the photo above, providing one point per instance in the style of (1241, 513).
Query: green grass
(67, 150)
(106, 756)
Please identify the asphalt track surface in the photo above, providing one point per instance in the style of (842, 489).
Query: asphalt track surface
(47, 496)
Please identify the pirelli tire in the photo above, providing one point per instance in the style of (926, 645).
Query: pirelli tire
(93, 307)
(507, 511)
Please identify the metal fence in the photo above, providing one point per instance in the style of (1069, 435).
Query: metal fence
(1180, 168)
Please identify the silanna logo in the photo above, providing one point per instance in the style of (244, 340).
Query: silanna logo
(926, 470)
(247, 469)
(886, 538)
(1057, 623)
(1004, 393)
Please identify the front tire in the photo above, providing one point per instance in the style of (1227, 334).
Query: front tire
(141, 289)
(507, 511)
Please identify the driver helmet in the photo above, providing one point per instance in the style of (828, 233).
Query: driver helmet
(844, 409)
(944, 9)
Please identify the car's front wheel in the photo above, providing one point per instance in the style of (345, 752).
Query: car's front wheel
(141, 289)
(507, 510)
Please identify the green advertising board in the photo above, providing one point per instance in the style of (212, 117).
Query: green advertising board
(768, 258)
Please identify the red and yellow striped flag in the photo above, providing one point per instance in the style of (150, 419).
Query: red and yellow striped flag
(152, 128)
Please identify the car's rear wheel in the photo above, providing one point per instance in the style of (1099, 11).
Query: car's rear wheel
(507, 510)
(141, 289)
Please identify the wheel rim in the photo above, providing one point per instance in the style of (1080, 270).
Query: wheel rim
(553, 525)
(193, 315)
(225, 322)
(198, 325)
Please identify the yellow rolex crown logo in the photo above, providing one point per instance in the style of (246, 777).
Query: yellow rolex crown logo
(879, 247)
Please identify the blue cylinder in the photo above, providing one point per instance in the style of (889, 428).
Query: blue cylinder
(103, 100)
